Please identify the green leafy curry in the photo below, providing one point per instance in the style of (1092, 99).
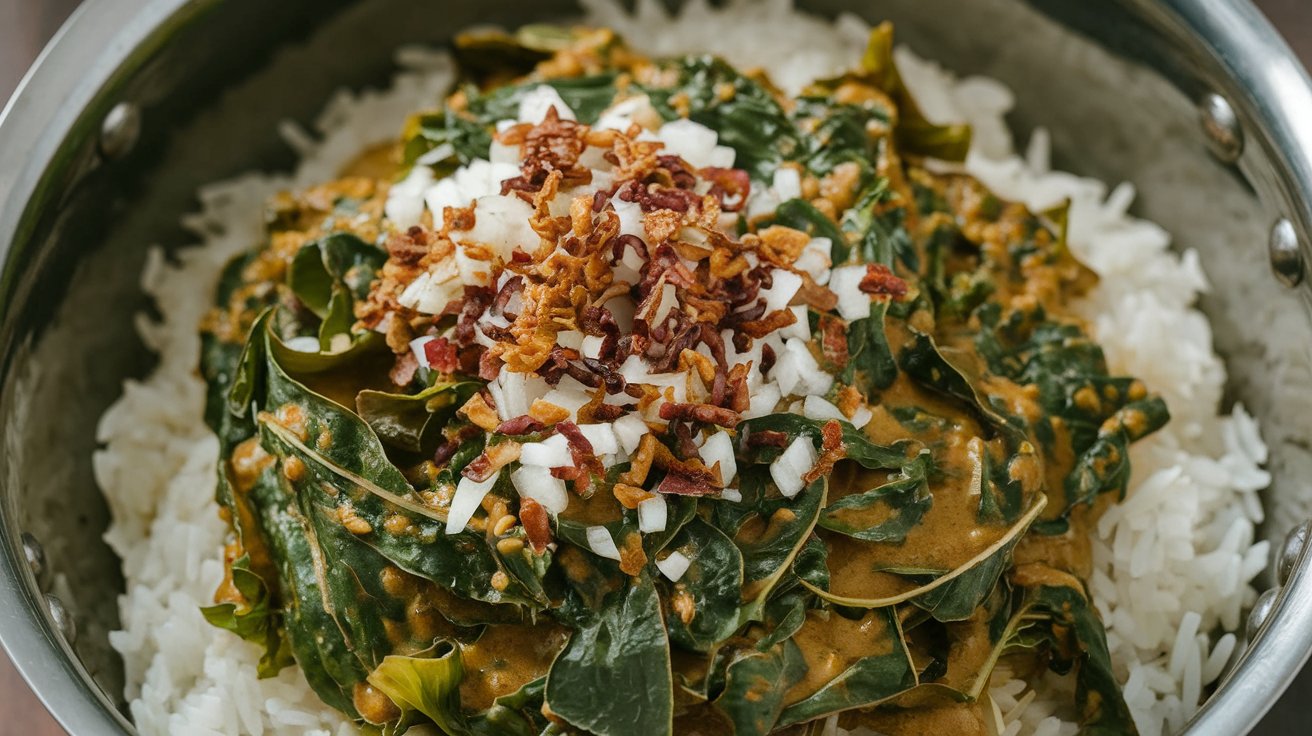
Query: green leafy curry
(731, 414)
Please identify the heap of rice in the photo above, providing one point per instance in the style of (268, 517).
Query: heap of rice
(1173, 563)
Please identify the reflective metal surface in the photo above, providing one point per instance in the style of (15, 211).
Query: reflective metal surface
(85, 189)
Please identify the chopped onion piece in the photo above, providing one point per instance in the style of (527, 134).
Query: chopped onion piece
(591, 346)
(535, 103)
(784, 286)
(469, 494)
(553, 452)
(651, 515)
(801, 328)
(861, 417)
(303, 344)
(787, 183)
(629, 429)
(572, 339)
(817, 408)
(417, 347)
(845, 282)
(762, 401)
(719, 449)
(814, 260)
(788, 468)
(732, 495)
(602, 544)
(674, 566)
(601, 437)
(537, 483)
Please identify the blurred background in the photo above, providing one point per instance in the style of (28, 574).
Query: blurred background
(26, 25)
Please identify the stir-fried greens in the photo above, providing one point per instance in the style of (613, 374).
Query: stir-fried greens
(646, 399)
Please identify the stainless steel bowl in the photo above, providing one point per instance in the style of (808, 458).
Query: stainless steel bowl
(136, 103)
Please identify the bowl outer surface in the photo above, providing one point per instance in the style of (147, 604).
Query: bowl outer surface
(72, 239)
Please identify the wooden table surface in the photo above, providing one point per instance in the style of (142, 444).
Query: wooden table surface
(25, 25)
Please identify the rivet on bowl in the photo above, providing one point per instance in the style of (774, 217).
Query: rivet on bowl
(1225, 137)
(1286, 256)
(1295, 541)
(1262, 609)
(119, 130)
(36, 557)
(62, 618)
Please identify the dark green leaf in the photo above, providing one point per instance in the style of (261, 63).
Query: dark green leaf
(411, 421)
(871, 366)
(859, 447)
(885, 513)
(714, 581)
(884, 673)
(255, 621)
(614, 675)
(755, 685)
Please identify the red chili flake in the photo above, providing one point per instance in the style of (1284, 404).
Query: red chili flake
(479, 469)
(833, 340)
(441, 355)
(537, 525)
(681, 484)
(523, 424)
(444, 452)
(403, 370)
(585, 458)
(880, 280)
(767, 438)
(717, 415)
(832, 449)
(489, 366)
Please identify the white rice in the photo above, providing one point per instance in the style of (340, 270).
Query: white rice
(1174, 563)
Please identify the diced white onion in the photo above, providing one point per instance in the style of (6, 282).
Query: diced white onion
(812, 380)
(515, 392)
(417, 347)
(732, 495)
(800, 329)
(623, 113)
(817, 408)
(601, 543)
(651, 514)
(502, 223)
(718, 448)
(845, 282)
(569, 399)
(814, 260)
(629, 429)
(572, 339)
(693, 142)
(405, 200)
(469, 494)
(762, 401)
(674, 566)
(601, 437)
(788, 468)
(861, 417)
(552, 452)
(787, 183)
(669, 299)
(784, 286)
(303, 344)
(591, 346)
(535, 103)
(537, 483)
